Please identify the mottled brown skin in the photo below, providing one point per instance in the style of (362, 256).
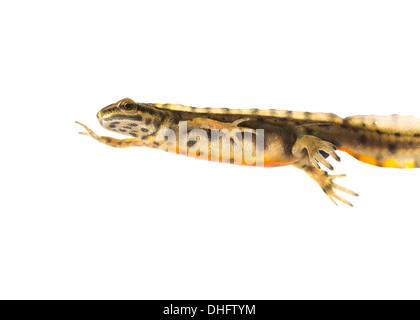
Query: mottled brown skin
(301, 139)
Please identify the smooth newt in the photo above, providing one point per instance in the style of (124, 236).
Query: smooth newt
(301, 139)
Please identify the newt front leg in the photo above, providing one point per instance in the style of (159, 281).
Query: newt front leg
(112, 142)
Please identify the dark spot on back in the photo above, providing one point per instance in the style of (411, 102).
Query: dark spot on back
(133, 124)
(123, 130)
(392, 147)
(397, 134)
(362, 139)
(134, 134)
(148, 121)
(144, 130)
(127, 127)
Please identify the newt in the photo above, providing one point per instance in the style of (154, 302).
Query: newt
(302, 139)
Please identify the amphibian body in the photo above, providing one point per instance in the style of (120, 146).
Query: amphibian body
(270, 138)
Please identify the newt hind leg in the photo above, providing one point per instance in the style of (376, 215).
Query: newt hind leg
(326, 182)
(309, 151)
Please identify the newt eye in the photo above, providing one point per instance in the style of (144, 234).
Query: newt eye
(128, 106)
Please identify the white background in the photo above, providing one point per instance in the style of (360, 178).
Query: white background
(82, 220)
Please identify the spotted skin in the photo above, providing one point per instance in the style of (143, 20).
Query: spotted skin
(302, 139)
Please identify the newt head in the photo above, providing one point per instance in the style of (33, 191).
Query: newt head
(130, 118)
(119, 108)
